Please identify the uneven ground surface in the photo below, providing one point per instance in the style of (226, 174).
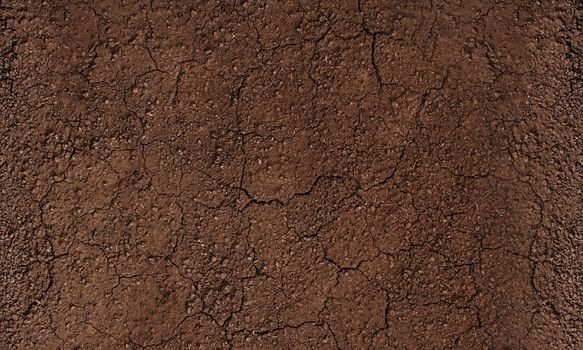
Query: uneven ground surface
(291, 175)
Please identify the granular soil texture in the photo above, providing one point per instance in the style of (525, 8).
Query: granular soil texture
(291, 175)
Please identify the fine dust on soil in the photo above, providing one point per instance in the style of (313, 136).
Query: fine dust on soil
(291, 175)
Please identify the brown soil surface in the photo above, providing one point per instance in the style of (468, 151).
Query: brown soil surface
(291, 175)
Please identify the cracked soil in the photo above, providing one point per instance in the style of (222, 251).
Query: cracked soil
(358, 174)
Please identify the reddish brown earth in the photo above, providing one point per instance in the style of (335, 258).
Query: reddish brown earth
(291, 175)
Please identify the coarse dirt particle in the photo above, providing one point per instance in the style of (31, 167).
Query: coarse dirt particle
(356, 174)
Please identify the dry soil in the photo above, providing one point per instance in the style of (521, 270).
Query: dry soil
(291, 174)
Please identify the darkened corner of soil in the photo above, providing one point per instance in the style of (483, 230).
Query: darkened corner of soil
(291, 174)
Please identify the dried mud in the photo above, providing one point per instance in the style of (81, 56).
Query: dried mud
(291, 175)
